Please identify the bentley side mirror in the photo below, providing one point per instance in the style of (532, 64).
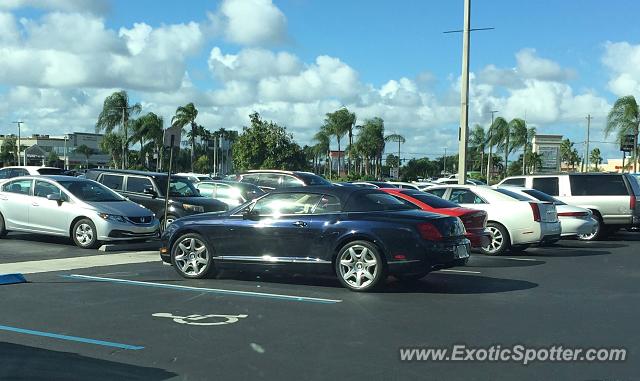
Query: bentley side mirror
(250, 215)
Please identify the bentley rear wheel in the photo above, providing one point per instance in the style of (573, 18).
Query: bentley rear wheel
(359, 266)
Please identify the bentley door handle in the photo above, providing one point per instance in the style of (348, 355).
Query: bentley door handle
(300, 224)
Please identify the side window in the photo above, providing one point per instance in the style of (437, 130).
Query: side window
(206, 189)
(20, 172)
(18, 186)
(286, 203)
(5, 173)
(548, 185)
(43, 189)
(290, 181)
(138, 184)
(114, 182)
(516, 182)
(269, 180)
(327, 204)
(464, 196)
(251, 178)
(225, 191)
(436, 192)
(598, 185)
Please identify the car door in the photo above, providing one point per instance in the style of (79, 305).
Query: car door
(50, 216)
(279, 230)
(14, 203)
(134, 190)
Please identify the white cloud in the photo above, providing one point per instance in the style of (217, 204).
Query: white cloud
(529, 65)
(623, 61)
(251, 64)
(249, 22)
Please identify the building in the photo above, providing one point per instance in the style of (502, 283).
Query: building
(37, 148)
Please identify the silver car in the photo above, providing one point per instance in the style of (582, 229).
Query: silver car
(82, 209)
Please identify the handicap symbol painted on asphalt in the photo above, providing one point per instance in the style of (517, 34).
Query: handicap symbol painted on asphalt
(196, 319)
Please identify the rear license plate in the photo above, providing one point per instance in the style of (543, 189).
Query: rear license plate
(461, 251)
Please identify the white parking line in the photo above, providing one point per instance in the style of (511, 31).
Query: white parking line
(513, 259)
(462, 271)
(63, 264)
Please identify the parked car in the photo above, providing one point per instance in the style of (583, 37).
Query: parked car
(195, 177)
(612, 197)
(575, 221)
(373, 184)
(15, 171)
(474, 220)
(512, 223)
(268, 179)
(81, 209)
(232, 193)
(361, 235)
(149, 189)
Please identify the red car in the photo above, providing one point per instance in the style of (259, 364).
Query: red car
(475, 221)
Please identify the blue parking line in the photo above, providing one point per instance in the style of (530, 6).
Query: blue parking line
(208, 290)
(70, 338)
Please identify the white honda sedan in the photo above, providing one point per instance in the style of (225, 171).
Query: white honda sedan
(514, 221)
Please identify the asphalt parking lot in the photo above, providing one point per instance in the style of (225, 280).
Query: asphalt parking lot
(142, 321)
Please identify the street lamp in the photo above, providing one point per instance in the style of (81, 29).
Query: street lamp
(493, 112)
(66, 154)
(19, 123)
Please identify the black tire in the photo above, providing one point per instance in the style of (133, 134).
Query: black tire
(355, 259)
(599, 233)
(3, 230)
(170, 218)
(500, 240)
(84, 234)
(187, 258)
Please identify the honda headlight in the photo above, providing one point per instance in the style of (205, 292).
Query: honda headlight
(193, 208)
(112, 217)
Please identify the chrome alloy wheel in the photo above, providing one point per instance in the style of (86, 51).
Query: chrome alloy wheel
(358, 266)
(497, 240)
(192, 256)
(84, 234)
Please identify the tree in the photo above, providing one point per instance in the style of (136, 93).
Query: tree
(624, 119)
(86, 151)
(321, 147)
(53, 159)
(187, 115)
(339, 123)
(392, 161)
(116, 110)
(148, 127)
(569, 154)
(396, 138)
(112, 144)
(266, 145)
(370, 143)
(8, 151)
(595, 157)
(477, 141)
(518, 137)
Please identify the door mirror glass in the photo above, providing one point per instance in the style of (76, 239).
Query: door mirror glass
(54, 197)
(150, 191)
(249, 214)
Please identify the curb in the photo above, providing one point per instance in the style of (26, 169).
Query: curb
(141, 246)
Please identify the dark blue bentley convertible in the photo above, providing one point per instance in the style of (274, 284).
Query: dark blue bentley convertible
(359, 234)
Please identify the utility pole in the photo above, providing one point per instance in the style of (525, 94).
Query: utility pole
(124, 141)
(585, 161)
(493, 112)
(444, 161)
(19, 123)
(464, 97)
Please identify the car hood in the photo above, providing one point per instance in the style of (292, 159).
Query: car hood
(121, 208)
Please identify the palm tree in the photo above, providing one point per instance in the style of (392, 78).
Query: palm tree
(339, 123)
(148, 127)
(187, 115)
(396, 138)
(500, 137)
(116, 110)
(111, 144)
(322, 140)
(595, 157)
(624, 118)
(477, 140)
(518, 136)
(86, 151)
(371, 143)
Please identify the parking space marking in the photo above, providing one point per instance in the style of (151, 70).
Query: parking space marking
(209, 290)
(513, 259)
(461, 271)
(63, 264)
(70, 338)
(194, 319)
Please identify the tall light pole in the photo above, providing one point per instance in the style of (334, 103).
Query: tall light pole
(585, 161)
(19, 123)
(490, 147)
(444, 161)
(464, 98)
(66, 153)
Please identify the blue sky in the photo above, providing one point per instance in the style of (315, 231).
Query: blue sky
(554, 60)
